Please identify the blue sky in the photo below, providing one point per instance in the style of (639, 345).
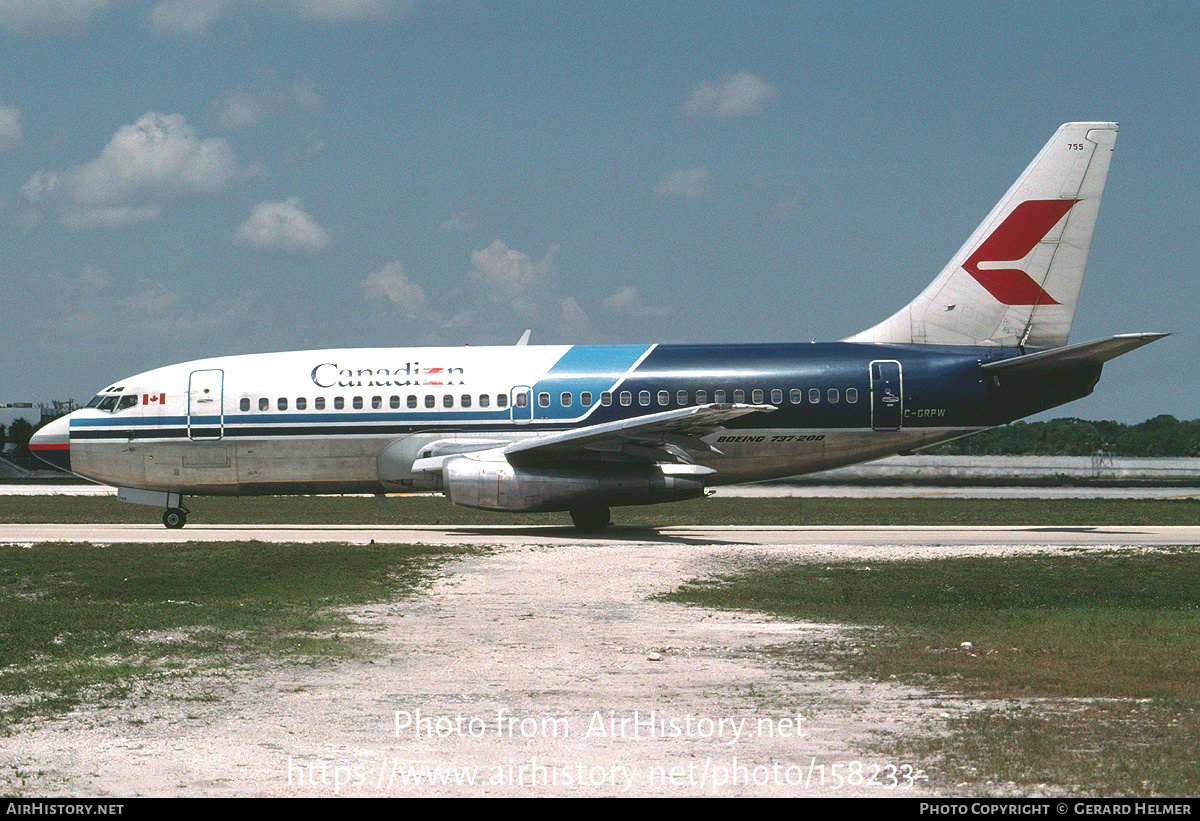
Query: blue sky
(187, 178)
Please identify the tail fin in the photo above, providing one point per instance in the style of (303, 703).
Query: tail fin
(1016, 280)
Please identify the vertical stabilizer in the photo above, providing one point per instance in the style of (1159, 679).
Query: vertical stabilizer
(1016, 280)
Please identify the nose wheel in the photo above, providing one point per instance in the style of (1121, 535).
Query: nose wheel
(175, 517)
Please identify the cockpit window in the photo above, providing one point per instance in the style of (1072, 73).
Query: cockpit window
(113, 399)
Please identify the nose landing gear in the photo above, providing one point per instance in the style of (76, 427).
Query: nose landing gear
(175, 517)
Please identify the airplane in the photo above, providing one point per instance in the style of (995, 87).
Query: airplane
(583, 428)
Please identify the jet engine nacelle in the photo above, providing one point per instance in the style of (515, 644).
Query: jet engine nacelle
(499, 485)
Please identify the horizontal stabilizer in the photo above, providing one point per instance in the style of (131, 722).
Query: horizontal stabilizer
(1099, 350)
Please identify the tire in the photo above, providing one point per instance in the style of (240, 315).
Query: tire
(591, 519)
(174, 518)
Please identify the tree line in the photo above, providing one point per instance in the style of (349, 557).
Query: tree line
(1161, 436)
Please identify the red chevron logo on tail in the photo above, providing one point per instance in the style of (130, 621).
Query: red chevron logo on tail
(1021, 230)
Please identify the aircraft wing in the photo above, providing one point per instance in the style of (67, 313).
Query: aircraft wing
(681, 427)
(656, 437)
(1099, 350)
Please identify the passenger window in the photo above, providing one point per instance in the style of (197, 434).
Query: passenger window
(264, 403)
(681, 397)
(565, 399)
(394, 402)
(466, 400)
(643, 398)
(832, 395)
(411, 402)
(358, 403)
(795, 396)
(522, 399)
(376, 402)
(739, 396)
(585, 399)
(447, 401)
(484, 400)
(776, 396)
(430, 400)
(664, 398)
(543, 400)
(719, 397)
(281, 403)
(851, 395)
(626, 399)
(814, 395)
(606, 398)
(701, 397)
(502, 400)
(301, 403)
(757, 396)
(245, 404)
(339, 402)
(319, 403)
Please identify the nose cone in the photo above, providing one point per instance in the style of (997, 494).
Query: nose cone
(52, 443)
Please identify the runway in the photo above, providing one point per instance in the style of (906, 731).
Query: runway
(858, 538)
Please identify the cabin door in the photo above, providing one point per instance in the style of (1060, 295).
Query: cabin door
(206, 404)
(887, 395)
(520, 404)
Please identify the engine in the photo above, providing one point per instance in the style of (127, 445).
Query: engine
(499, 485)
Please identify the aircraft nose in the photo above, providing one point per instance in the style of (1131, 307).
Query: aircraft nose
(52, 443)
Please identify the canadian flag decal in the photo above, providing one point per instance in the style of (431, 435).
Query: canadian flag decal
(154, 398)
(1021, 230)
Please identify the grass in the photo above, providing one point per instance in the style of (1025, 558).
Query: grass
(80, 623)
(1095, 655)
(434, 510)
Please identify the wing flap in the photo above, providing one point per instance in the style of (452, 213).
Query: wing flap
(667, 432)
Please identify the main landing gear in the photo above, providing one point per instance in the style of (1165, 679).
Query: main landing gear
(591, 519)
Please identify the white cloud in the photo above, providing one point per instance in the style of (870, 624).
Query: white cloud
(390, 286)
(51, 16)
(628, 302)
(687, 184)
(283, 227)
(114, 217)
(573, 321)
(10, 126)
(243, 107)
(506, 275)
(196, 18)
(187, 18)
(95, 310)
(156, 160)
(350, 11)
(465, 222)
(736, 96)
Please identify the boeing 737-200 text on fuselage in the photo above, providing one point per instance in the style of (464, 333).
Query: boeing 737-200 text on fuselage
(585, 428)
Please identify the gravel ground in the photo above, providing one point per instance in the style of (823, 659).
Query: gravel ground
(536, 670)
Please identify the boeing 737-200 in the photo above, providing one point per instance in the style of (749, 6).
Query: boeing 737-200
(585, 428)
